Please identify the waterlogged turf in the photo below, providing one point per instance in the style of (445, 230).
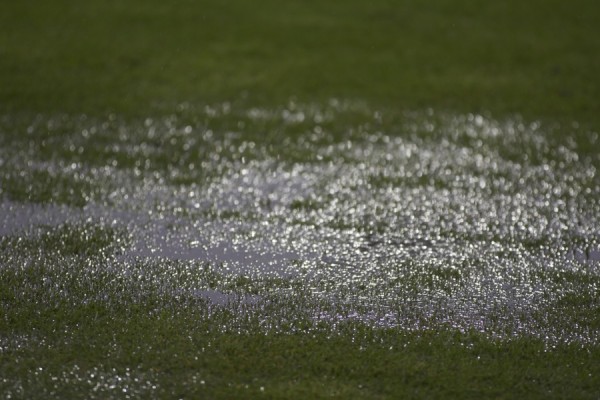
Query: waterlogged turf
(135, 252)
(222, 200)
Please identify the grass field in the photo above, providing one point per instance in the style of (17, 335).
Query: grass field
(299, 199)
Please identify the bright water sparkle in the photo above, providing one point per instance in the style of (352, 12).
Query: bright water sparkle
(412, 220)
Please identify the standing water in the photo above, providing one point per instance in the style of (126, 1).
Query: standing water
(339, 212)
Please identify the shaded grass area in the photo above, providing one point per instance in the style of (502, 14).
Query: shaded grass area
(537, 58)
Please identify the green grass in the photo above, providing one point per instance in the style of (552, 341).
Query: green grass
(43, 187)
(77, 322)
(183, 357)
(537, 58)
(68, 343)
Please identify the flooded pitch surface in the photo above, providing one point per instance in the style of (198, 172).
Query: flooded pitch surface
(329, 213)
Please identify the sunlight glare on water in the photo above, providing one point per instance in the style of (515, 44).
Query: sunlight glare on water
(411, 220)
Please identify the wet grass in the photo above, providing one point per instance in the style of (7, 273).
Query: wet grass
(67, 240)
(81, 319)
(173, 356)
(101, 324)
(67, 334)
(113, 104)
(45, 187)
(78, 323)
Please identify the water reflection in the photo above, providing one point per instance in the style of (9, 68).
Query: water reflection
(436, 220)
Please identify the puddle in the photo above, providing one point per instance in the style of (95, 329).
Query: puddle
(454, 220)
(580, 255)
(18, 217)
(219, 298)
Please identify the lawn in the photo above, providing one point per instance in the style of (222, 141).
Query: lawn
(299, 199)
(537, 58)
